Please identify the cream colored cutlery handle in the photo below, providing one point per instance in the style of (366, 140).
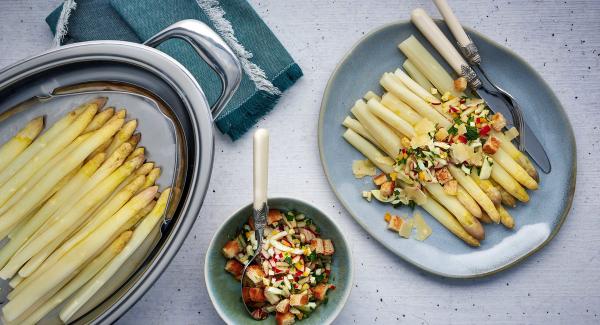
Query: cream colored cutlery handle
(453, 23)
(441, 43)
(261, 170)
(466, 45)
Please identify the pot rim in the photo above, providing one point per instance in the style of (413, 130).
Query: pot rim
(196, 105)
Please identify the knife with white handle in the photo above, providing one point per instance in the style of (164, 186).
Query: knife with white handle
(482, 87)
(465, 44)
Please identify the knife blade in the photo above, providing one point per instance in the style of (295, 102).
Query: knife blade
(496, 103)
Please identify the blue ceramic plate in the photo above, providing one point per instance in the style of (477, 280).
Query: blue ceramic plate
(225, 292)
(442, 253)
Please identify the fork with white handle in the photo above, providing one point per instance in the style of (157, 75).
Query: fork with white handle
(496, 98)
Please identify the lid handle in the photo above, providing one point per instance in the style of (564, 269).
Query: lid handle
(211, 47)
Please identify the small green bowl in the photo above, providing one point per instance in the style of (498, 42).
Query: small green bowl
(225, 292)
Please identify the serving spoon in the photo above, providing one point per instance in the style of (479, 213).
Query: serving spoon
(260, 207)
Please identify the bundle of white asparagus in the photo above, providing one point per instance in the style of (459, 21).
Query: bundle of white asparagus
(78, 203)
(438, 148)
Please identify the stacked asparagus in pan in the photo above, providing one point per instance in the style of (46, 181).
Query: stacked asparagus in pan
(78, 203)
(439, 148)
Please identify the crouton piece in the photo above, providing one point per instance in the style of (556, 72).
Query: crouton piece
(320, 291)
(255, 274)
(232, 248)
(443, 175)
(283, 306)
(451, 187)
(405, 142)
(308, 235)
(491, 145)
(274, 216)
(259, 314)
(441, 134)
(235, 268)
(387, 189)
(380, 179)
(257, 295)
(328, 247)
(246, 294)
(299, 299)
(498, 121)
(395, 223)
(316, 245)
(460, 84)
(285, 318)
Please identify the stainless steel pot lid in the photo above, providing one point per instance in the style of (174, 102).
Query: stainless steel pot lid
(173, 114)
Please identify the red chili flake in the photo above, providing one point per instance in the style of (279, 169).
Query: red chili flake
(485, 130)
(276, 270)
(332, 287)
(462, 138)
(403, 150)
(454, 109)
(327, 272)
(479, 120)
(462, 101)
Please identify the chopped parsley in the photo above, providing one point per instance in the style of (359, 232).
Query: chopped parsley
(472, 133)
(453, 130)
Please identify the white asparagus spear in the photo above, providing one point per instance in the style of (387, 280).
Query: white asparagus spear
(467, 200)
(446, 219)
(94, 222)
(415, 87)
(503, 178)
(476, 192)
(421, 92)
(428, 65)
(15, 281)
(124, 274)
(43, 171)
(100, 119)
(141, 232)
(466, 219)
(17, 144)
(400, 108)
(72, 192)
(414, 101)
(370, 94)
(368, 150)
(400, 125)
(355, 126)
(514, 169)
(31, 199)
(41, 159)
(77, 256)
(49, 207)
(82, 277)
(516, 154)
(118, 115)
(377, 128)
(417, 76)
(68, 219)
(505, 218)
(137, 152)
(122, 136)
(42, 142)
(19, 320)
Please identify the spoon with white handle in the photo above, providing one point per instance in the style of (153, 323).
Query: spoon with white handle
(261, 209)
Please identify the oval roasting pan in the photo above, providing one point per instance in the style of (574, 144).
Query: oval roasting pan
(173, 115)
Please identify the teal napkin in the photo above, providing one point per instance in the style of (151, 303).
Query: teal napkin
(138, 20)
